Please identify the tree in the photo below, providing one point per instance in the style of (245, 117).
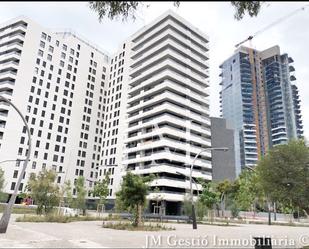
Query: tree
(132, 195)
(3, 196)
(101, 189)
(249, 191)
(241, 7)
(80, 200)
(223, 188)
(44, 190)
(284, 174)
(209, 197)
(68, 193)
(125, 9)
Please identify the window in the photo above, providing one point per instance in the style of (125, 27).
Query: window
(57, 43)
(15, 173)
(49, 38)
(51, 49)
(13, 185)
(42, 44)
(33, 165)
(43, 35)
(63, 55)
(40, 52)
(62, 63)
(64, 47)
(49, 57)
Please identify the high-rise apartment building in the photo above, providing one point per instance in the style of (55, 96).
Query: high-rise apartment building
(260, 101)
(168, 109)
(144, 109)
(57, 80)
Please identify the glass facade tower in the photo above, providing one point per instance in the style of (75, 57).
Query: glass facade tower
(260, 101)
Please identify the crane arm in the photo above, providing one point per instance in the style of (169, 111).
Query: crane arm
(272, 24)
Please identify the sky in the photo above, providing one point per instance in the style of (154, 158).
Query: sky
(216, 19)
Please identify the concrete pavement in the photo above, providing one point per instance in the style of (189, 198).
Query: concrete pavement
(90, 234)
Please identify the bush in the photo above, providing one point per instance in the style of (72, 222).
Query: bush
(55, 218)
(130, 227)
(19, 210)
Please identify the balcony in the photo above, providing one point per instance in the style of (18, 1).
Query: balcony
(170, 119)
(205, 164)
(171, 41)
(172, 76)
(169, 107)
(170, 25)
(174, 98)
(168, 142)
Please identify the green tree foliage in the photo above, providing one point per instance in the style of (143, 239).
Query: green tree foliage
(249, 191)
(243, 7)
(209, 197)
(125, 9)
(80, 200)
(223, 188)
(68, 193)
(114, 9)
(44, 190)
(101, 189)
(284, 174)
(132, 195)
(3, 196)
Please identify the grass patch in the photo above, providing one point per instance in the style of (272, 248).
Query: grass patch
(55, 218)
(128, 226)
(20, 210)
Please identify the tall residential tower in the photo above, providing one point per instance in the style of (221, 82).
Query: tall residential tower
(260, 101)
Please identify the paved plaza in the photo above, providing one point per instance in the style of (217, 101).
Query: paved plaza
(90, 234)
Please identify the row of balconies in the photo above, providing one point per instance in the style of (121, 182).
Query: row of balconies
(174, 77)
(168, 155)
(174, 58)
(168, 118)
(169, 130)
(169, 107)
(169, 64)
(171, 86)
(170, 39)
(170, 24)
(171, 97)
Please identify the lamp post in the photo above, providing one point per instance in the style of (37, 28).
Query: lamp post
(178, 173)
(191, 190)
(5, 219)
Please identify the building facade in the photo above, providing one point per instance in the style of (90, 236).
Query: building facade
(144, 109)
(259, 99)
(223, 162)
(57, 80)
(168, 109)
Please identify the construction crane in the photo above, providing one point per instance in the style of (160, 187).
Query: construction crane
(272, 24)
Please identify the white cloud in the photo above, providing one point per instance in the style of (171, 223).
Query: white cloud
(216, 19)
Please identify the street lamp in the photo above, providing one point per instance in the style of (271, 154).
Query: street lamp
(12, 160)
(5, 219)
(191, 190)
(178, 173)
